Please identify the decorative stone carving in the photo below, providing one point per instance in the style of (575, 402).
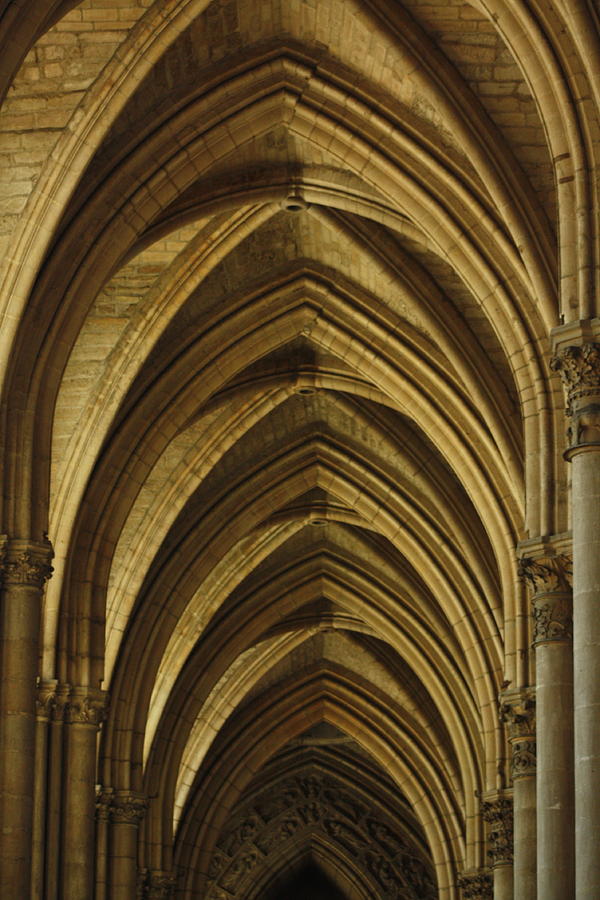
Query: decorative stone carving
(301, 808)
(45, 702)
(547, 574)
(498, 813)
(159, 885)
(553, 619)
(26, 563)
(127, 808)
(517, 710)
(579, 368)
(477, 885)
(551, 579)
(86, 707)
(103, 802)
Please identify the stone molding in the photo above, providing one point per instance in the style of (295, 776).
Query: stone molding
(517, 711)
(476, 885)
(497, 812)
(26, 563)
(579, 368)
(127, 807)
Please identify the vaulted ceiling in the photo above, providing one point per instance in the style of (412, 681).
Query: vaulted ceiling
(282, 290)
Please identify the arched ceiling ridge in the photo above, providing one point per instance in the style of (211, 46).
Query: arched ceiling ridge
(382, 622)
(323, 698)
(237, 685)
(207, 387)
(529, 37)
(268, 491)
(200, 457)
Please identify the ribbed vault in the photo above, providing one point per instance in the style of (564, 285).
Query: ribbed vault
(277, 387)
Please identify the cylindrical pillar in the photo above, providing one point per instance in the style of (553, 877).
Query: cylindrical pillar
(103, 801)
(83, 716)
(550, 573)
(25, 568)
(579, 366)
(46, 702)
(126, 812)
(497, 812)
(518, 711)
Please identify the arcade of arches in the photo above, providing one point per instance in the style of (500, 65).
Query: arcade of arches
(300, 455)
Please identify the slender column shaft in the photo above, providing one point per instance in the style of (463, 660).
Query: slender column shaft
(45, 703)
(127, 810)
(102, 827)
(578, 362)
(549, 573)
(24, 570)
(497, 811)
(518, 711)
(525, 838)
(586, 649)
(503, 883)
(83, 717)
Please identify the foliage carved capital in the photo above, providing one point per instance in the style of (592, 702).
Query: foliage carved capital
(476, 885)
(547, 574)
(127, 808)
(498, 814)
(26, 563)
(86, 707)
(517, 711)
(579, 369)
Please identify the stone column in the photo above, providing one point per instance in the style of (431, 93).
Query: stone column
(45, 705)
(84, 713)
(24, 569)
(476, 885)
(54, 791)
(517, 710)
(497, 811)
(127, 810)
(549, 574)
(103, 801)
(578, 361)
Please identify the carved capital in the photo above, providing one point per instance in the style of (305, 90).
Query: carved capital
(26, 563)
(86, 707)
(127, 808)
(103, 803)
(45, 701)
(476, 885)
(553, 618)
(547, 574)
(160, 885)
(579, 368)
(523, 760)
(517, 711)
(498, 813)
